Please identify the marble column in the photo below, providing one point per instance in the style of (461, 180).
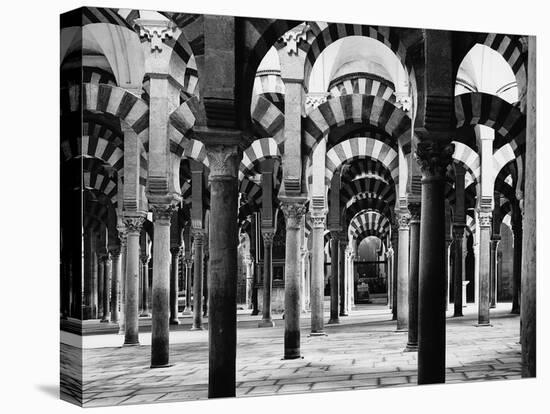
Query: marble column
(115, 284)
(188, 285)
(484, 247)
(160, 329)
(414, 257)
(458, 238)
(88, 269)
(107, 272)
(198, 240)
(100, 263)
(174, 286)
(131, 311)
(267, 322)
(433, 155)
(317, 274)
(528, 330)
(249, 265)
(334, 279)
(493, 272)
(342, 244)
(395, 267)
(403, 273)
(516, 278)
(293, 209)
(255, 272)
(145, 297)
(123, 236)
(222, 268)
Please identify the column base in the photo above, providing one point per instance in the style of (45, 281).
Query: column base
(515, 312)
(411, 348)
(317, 334)
(254, 313)
(104, 320)
(187, 311)
(482, 324)
(344, 314)
(402, 330)
(333, 321)
(161, 366)
(174, 322)
(292, 356)
(266, 323)
(145, 315)
(130, 344)
(197, 328)
(456, 315)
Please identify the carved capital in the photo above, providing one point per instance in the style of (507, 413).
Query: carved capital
(156, 31)
(458, 232)
(485, 219)
(115, 252)
(162, 213)
(175, 251)
(434, 156)
(415, 209)
(293, 37)
(144, 258)
(224, 160)
(404, 221)
(293, 211)
(318, 220)
(133, 224)
(268, 237)
(198, 236)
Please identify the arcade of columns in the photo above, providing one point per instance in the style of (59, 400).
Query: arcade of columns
(183, 155)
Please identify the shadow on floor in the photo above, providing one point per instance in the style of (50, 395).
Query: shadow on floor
(49, 389)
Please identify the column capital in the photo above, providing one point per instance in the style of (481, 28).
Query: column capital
(294, 209)
(156, 32)
(224, 160)
(144, 258)
(198, 236)
(414, 209)
(404, 221)
(268, 235)
(434, 156)
(293, 37)
(485, 219)
(318, 218)
(132, 224)
(115, 252)
(176, 250)
(162, 213)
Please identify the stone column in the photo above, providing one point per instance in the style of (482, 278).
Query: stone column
(448, 242)
(395, 268)
(334, 279)
(403, 273)
(160, 329)
(434, 156)
(123, 236)
(107, 270)
(145, 297)
(131, 311)
(342, 244)
(266, 321)
(293, 209)
(100, 263)
(458, 238)
(115, 284)
(528, 336)
(493, 272)
(249, 264)
(222, 289)
(198, 240)
(414, 225)
(516, 280)
(88, 270)
(317, 274)
(188, 285)
(255, 271)
(484, 242)
(174, 286)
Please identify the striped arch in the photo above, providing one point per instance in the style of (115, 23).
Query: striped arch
(258, 151)
(512, 51)
(503, 158)
(182, 119)
(470, 223)
(466, 156)
(120, 103)
(356, 108)
(195, 150)
(369, 222)
(268, 83)
(489, 110)
(368, 204)
(268, 116)
(252, 191)
(359, 148)
(362, 83)
(322, 34)
(91, 15)
(366, 187)
(102, 183)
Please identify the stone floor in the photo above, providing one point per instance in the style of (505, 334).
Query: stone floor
(362, 352)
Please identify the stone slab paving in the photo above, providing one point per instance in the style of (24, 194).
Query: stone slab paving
(360, 353)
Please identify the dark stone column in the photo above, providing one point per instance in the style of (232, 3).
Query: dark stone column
(145, 300)
(174, 286)
(317, 273)
(395, 246)
(528, 336)
(160, 329)
(434, 157)
(107, 269)
(255, 271)
(222, 288)
(334, 289)
(516, 280)
(493, 272)
(414, 256)
(188, 285)
(484, 244)
(100, 263)
(198, 240)
(123, 236)
(293, 209)
(458, 238)
(266, 321)
(88, 270)
(131, 315)
(115, 284)
(342, 244)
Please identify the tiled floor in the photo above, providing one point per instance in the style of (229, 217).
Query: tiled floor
(364, 351)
